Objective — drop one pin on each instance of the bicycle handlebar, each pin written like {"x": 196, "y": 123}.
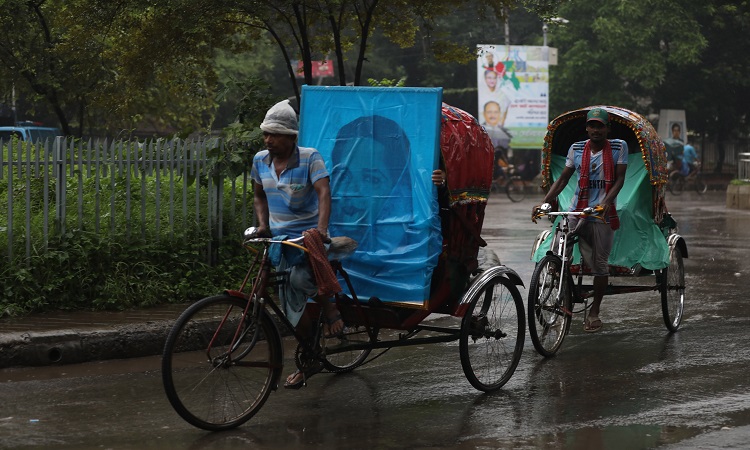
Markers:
{"x": 545, "y": 209}
{"x": 251, "y": 237}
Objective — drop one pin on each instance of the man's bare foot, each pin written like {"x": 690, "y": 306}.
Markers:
{"x": 334, "y": 325}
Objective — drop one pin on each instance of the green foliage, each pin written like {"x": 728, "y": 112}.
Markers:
{"x": 82, "y": 270}
{"x": 242, "y": 138}
{"x": 738, "y": 182}
{"x": 385, "y": 82}
{"x": 108, "y": 66}
{"x": 619, "y": 53}
{"x": 113, "y": 254}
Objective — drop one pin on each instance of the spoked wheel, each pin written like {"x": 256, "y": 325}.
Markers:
{"x": 492, "y": 334}
{"x": 549, "y": 318}
{"x": 676, "y": 183}
{"x": 673, "y": 290}
{"x": 700, "y": 186}
{"x": 515, "y": 189}
{"x": 209, "y": 384}
{"x": 341, "y": 356}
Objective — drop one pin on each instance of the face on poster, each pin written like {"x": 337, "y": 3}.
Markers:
{"x": 513, "y": 89}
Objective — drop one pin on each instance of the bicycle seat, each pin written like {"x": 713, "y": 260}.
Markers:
{"x": 341, "y": 247}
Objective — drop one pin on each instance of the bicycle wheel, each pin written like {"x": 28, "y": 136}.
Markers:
{"x": 208, "y": 385}
{"x": 549, "y": 318}
{"x": 700, "y": 186}
{"x": 673, "y": 290}
{"x": 346, "y": 359}
{"x": 515, "y": 189}
{"x": 492, "y": 334}
{"x": 676, "y": 183}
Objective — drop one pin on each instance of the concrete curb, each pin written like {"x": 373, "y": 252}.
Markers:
{"x": 77, "y": 346}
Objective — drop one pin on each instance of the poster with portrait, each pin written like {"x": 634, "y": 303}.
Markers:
{"x": 380, "y": 146}
{"x": 513, "y": 89}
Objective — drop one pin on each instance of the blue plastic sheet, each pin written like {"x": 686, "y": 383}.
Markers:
{"x": 380, "y": 146}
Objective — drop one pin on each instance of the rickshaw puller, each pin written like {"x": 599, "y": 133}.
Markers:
{"x": 600, "y": 164}
{"x": 292, "y": 194}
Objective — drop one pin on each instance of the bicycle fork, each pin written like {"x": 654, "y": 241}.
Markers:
{"x": 563, "y": 245}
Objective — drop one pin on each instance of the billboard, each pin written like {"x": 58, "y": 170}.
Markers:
{"x": 513, "y": 90}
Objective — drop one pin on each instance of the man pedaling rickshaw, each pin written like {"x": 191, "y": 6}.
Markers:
{"x": 601, "y": 164}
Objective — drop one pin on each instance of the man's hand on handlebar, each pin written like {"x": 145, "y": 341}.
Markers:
{"x": 260, "y": 233}
{"x": 598, "y": 211}
{"x": 540, "y": 210}
{"x": 324, "y": 236}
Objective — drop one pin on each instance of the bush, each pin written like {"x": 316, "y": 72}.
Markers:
{"x": 122, "y": 256}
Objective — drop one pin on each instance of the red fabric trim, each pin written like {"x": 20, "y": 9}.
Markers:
{"x": 326, "y": 280}
{"x": 609, "y": 178}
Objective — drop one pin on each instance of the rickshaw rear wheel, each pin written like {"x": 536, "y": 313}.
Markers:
{"x": 673, "y": 290}
{"x": 492, "y": 334}
{"x": 549, "y": 319}
{"x": 347, "y": 360}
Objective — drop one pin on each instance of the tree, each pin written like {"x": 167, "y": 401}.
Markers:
{"x": 650, "y": 55}
{"x": 615, "y": 52}
{"x": 315, "y": 29}
{"x": 105, "y": 64}
{"x": 715, "y": 90}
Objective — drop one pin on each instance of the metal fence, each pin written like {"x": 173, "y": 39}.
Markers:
{"x": 139, "y": 190}
{"x": 743, "y": 166}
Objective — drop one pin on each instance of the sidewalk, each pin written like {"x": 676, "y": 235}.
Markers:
{"x": 75, "y": 337}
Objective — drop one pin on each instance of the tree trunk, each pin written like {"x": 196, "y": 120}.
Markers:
{"x": 365, "y": 28}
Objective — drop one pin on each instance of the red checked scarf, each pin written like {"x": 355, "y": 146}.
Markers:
{"x": 609, "y": 180}
{"x": 324, "y": 276}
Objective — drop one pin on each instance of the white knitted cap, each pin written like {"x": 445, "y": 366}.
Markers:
{"x": 280, "y": 119}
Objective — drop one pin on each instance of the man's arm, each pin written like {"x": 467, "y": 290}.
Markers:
{"x": 323, "y": 189}
{"x": 559, "y": 184}
{"x": 260, "y": 202}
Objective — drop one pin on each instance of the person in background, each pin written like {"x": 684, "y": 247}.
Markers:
{"x": 690, "y": 161}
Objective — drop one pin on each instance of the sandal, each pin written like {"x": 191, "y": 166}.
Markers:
{"x": 592, "y": 324}
{"x": 301, "y": 377}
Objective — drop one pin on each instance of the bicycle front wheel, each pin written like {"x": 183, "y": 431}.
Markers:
{"x": 492, "y": 334}
{"x": 549, "y": 317}
{"x": 210, "y": 383}
{"x": 515, "y": 189}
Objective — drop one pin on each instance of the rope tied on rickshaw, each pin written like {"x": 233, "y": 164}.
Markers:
{"x": 325, "y": 279}
{"x": 609, "y": 178}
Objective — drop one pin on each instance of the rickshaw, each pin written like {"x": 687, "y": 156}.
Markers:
{"x": 646, "y": 246}
{"x": 224, "y": 355}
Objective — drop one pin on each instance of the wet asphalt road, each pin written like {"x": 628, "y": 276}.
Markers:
{"x": 634, "y": 385}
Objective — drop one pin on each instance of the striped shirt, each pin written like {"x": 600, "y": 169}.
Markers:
{"x": 292, "y": 200}
{"x": 596, "y": 174}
